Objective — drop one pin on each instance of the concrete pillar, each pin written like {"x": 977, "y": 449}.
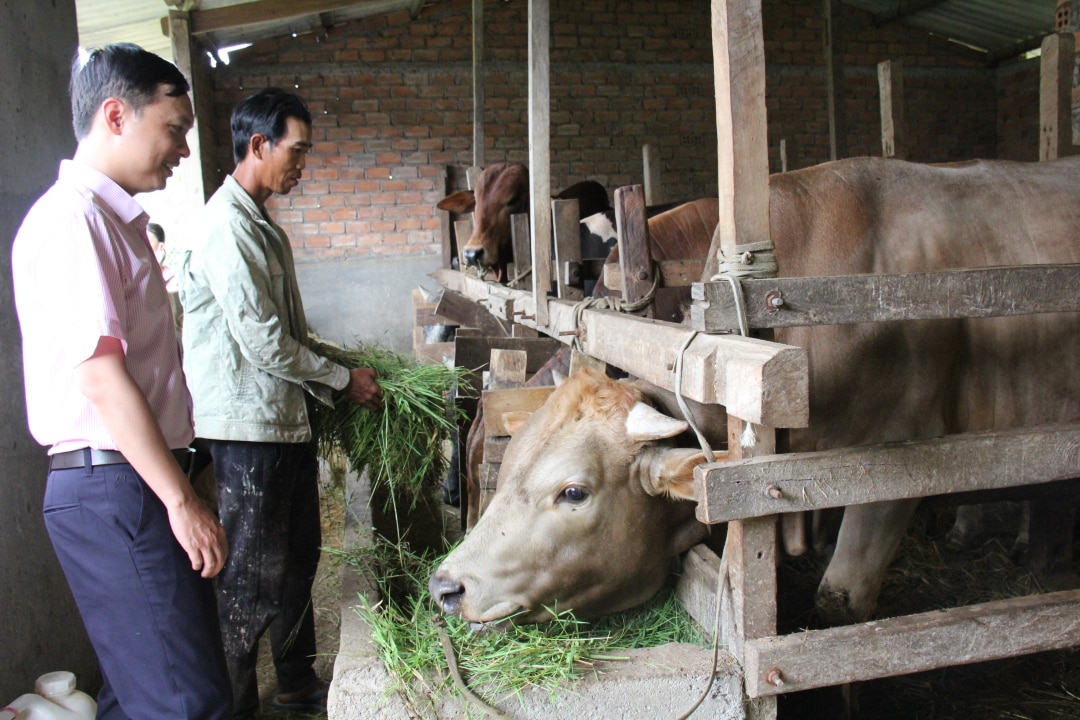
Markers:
{"x": 42, "y": 630}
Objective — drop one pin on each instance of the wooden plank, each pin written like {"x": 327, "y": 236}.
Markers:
{"x": 507, "y": 369}
{"x": 497, "y": 402}
{"x": 446, "y": 238}
{"x": 540, "y": 154}
{"x": 633, "y": 240}
{"x": 888, "y": 471}
{"x": 696, "y": 588}
{"x": 913, "y": 643}
{"x": 475, "y": 352}
{"x": 1055, "y": 96}
{"x": 962, "y": 293}
{"x": 567, "y": 228}
{"x": 891, "y": 101}
{"x": 673, "y": 273}
{"x": 459, "y": 310}
{"x": 495, "y": 448}
{"x": 250, "y": 13}
{"x": 650, "y": 161}
{"x": 489, "y": 482}
{"x": 761, "y": 381}
{"x": 462, "y": 231}
{"x": 742, "y": 133}
{"x": 579, "y": 360}
{"x": 520, "y": 242}
{"x": 834, "y": 81}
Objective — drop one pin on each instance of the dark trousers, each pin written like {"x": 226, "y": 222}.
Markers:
{"x": 151, "y": 619}
{"x": 268, "y": 501}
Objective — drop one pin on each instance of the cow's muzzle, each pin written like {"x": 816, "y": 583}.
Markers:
{"x": 446, "y": 593}
{"x": 474, "y": 257}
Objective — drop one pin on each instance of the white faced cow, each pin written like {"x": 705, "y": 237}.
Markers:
{"x": 600, "y": 548}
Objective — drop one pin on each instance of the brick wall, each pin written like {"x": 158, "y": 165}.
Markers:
{"x": 392, "y": 102}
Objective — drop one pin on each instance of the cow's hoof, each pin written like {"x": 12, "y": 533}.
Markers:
{"x": 834, "y": 608}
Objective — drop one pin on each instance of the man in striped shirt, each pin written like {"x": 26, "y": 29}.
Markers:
{"x": 105, "y": 391}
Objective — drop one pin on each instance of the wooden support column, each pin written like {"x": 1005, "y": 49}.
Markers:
{"x": 650, "y": 161}
{"x": 200, "y": 181}
{"x": 891, "y": 99}
{"x": 1055, "y": 96}
{"x": 478, "y": 81}
{"x": 633, "y": 240}
{"x": 540, "y": 153}
{"x": 566, "y": 219}
{"x": 741, "y": 132}
{"x": 834, "y": 83}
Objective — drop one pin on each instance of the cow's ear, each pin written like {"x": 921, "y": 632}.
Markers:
{"x": 558, "y": 378}
{"x": 670, "y": 471}
{"x": 460, "y": 202}
{"x": 645, "y": 423}
{"x": 514, "y": 419}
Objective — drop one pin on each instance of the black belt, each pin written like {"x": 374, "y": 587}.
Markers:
{"x": 92, "y": 457}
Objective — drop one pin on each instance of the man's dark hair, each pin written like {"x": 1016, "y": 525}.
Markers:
{"x": 124, "y": 71}
{"x": 157, "y": 231}
{"x": 265, "y": 113}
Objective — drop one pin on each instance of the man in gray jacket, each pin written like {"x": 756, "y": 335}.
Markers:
{"x": 250, "y": 370}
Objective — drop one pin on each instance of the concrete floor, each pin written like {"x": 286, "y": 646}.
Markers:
{"x": 365, "y": 300}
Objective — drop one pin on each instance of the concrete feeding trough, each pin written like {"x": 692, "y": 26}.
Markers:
{"x": 660, "y": 682}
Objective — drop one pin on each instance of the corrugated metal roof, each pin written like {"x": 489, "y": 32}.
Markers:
{"x": 1001, "y": 28}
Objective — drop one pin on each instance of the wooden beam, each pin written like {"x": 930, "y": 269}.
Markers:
{"x": 650, "y": 162}
{"x": 760, "y": 381}
{"x": 251, "y": 13}
{"x": 845, "y": 299}
{"x": 540, "y": 154}
{"x": 891, "y": 101}
{"x": 633, "y": 242}
{"x": 834, "y": 82}
{"x": 887, "y": 471}
{"x": 462, "y": 311}
{"x": 478, "y": 81}
{"x": 673, "y": 273}
{"x": 1055, "y": 96}
{"x": 566, "y": 223}
{"x": 741, "y": 128}
{"x": 912, "y": 643}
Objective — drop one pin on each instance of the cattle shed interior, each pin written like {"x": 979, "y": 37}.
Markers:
{"x": 391, "y": 87}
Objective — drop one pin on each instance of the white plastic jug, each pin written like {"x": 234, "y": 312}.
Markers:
{"x": 55, "y": 699}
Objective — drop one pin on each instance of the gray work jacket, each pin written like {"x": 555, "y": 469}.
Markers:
{"x": 246, "y": 354}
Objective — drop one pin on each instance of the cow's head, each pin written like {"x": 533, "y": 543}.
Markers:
{"x": 501, "y": 190}
{"x": 590, "y": 510}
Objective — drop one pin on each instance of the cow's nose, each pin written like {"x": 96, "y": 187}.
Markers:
{"x": 474, "y": 256}
{"x": 447, "y": 593}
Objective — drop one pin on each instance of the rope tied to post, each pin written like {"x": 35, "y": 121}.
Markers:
{"x": 610, "y": 302}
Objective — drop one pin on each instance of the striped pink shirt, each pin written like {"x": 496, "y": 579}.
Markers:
{"x": 83, "y": 269}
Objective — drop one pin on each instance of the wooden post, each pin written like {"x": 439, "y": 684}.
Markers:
{"x": 540, "y": 153}
{"x": 783, "y": 155}
{"x": 1055, "y": 96}
{"x": 478, "y": 81}
{"x": 654, "y": 192}
{"x": 834, "y": 83}
{"x": 891, "y": 99}
{"x": 742, "y": 137}
{"x": 185, "y": 52}
{"x": 633, "y": 240}
{"x": 567, "y": 229}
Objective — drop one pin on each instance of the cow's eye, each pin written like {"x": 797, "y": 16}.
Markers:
{"x": 574, "y": 494}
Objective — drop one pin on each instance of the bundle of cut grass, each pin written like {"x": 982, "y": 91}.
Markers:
{"x": 495, "y": 664}
{"x": 402, "y": 444}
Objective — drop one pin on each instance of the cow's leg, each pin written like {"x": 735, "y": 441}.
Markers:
{"x": 1050, "y": 520}
{"x": 967, "y": 528}
{"x": 793, "y": 532}
{"x": 869, "y": 537}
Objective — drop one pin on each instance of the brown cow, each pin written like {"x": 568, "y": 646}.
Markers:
{"x": 868, "y": 383}
{"x": 502, "y": 190}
